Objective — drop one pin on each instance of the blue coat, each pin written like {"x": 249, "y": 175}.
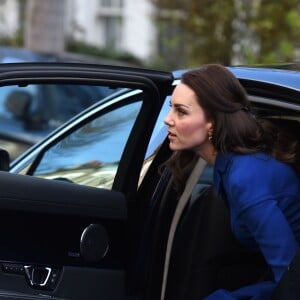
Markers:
{"x": 263, "y": 197}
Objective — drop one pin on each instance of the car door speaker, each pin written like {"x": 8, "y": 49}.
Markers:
{"x": 94, "y": 243}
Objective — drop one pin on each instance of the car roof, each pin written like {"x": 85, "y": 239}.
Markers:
{"x": 12, "y": 54}
{"x": 285, "y": 76}
{"x": 20, "y": 55}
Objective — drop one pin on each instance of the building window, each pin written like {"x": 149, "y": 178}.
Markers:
{"x": 171, "y": 39}
{"x": 112, "y": 31}
{"x": 111, "y": 3}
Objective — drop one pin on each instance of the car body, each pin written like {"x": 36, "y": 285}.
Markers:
{"x": 85, "y": 213}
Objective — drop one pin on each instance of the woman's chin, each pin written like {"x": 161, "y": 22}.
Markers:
{"x": 174, "y": 147}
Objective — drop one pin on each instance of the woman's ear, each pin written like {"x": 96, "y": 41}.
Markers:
{"x": 210, "y": 127}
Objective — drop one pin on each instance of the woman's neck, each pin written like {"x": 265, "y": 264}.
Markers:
{"x": 208, "y": 153}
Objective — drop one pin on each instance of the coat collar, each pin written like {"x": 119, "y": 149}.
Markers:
{"x": 221, "y": 164}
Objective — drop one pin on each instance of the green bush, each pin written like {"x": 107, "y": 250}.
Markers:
{"x": 83, "y": 48}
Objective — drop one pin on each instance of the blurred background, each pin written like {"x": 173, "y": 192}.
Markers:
{"x": 162, "y": 34}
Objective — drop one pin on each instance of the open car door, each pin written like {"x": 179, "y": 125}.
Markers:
{"x": 66, "y": 215}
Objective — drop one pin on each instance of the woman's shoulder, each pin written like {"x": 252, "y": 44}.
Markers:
{"x": 263, "y": 167}
{"x": 258, "y": 160}
{"x": 245, "y": 166}
{"x": 227, "y": 160}
{"x": 257, "y": 177}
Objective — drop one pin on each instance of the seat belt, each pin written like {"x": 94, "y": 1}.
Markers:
{"x": 183, "y": 200}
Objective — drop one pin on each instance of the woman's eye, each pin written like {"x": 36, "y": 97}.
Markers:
{"x": 178, "y": 109}
{"x": 181, "y": 111}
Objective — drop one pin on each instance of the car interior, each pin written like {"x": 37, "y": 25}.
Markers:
{"x": 288, "y": 287}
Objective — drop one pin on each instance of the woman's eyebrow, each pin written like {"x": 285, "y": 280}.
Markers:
{"x": 180, "y": 105}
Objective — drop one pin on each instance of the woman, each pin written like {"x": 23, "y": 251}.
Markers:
{"x": 255, "y": 166}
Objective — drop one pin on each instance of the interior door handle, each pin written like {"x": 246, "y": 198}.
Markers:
{"x": 41, "y": 276}
{"x": 38, "y": 276}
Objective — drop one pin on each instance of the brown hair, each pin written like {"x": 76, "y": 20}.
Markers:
{"x": 235, "y": 128}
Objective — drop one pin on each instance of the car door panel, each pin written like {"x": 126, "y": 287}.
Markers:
{"x": 59, "y": 197}
{"x": 74, "y": 284}
{"x": 42, "y": 230}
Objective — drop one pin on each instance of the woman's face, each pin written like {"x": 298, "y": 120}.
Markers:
{"x": 188, "y": 126}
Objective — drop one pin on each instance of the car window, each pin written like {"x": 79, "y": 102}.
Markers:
{"x": 29, "y": 113}
{"x": 6, "y": 92}
{"x": 90, "y": 155}
{"x": 48, "y": 104}
{"x": 160, "y": 130}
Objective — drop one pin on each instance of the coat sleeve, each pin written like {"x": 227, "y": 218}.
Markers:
{"x": 259, "y": 193}
{"x": 271, "y": 231}
{"x": 255, "y": 199}
{"x": 277, "y": 243}
{"x": 259, "y": 291}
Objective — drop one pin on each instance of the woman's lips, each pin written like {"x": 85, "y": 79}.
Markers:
{"x": 171, "y": 135}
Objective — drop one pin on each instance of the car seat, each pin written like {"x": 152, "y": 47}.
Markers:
{"x": 288, "y": 287}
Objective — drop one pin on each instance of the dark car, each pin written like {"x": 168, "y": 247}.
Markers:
{"x": 30, "y": 112}
{"x": 85, "y": 214}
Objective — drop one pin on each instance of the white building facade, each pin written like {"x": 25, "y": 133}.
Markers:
{"x": 124, "y": 25}
{"x": 121, "y": 25}
{"x": 9, "y": 18}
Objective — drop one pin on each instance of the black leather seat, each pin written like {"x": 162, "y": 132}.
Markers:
{"x": 288, "y": 287}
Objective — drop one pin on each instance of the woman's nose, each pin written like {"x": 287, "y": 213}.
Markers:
{"x": 168, "y": 120}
